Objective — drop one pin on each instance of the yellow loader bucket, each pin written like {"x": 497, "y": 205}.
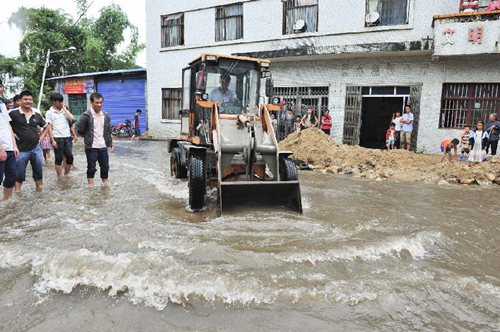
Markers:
{"x": 268, "y": 193}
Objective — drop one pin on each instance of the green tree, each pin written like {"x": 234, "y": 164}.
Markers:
{"x": 11, "y": 70}
{"x": 97, "y": 42}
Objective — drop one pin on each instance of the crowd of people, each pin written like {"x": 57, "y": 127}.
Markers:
{"x": 295, "y": 123}
{"x": 27, "y": 137}
{"x": 474, "y": 144}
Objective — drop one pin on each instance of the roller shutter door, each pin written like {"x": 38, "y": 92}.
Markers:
{"x": 122, "y": 98}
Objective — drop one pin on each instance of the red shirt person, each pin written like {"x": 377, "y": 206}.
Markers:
{"x": 446, "y": 147}
{"x": 326, "y": 122}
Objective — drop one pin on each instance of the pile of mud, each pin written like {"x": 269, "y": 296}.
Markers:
{"x": 314, "y": 147}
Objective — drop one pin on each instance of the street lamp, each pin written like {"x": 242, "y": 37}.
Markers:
{"x": 69, "y": 49}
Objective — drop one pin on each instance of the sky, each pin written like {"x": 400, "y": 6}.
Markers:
{"x": 11, "y": 36}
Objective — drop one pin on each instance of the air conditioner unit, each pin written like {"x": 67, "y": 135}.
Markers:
{"x": 372, "y": 19}
{"x": 300, "y": 26}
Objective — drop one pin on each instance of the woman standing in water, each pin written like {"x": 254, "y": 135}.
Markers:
{"x": 478, "y": 141}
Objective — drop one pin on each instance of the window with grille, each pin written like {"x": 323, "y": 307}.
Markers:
{"x": 295, "y": 10}
{"x": 391, "y": 12}
{"x": 172, "y": 30}
{"x": 229, "y": 22}
{"x": 465, "y": 103}
{"x": 172, "y": 103}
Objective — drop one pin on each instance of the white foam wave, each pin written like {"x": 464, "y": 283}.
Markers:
{"x": 472, "y": 284}
{"x": 419, "y": 247}
{"x": 163, "y": 183}
{"x": 154, "y": 279}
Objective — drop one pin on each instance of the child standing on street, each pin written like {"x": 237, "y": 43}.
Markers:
{"x": 298, "y": 124}
{"x": 390, "y": 137}
{"x": 46, "y": 145}
{"x": 464, "y": 144}
{"x": 478, "y": 141}
{"x": 396, "y": 119}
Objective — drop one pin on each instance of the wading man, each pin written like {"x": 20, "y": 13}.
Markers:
{"x": 94, "y": 126}
{"x": 59, "y": 120}
{"x": 25, "y": 122}
{"x": 8, "y": 152}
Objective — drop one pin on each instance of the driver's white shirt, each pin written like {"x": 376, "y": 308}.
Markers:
{"x": 217, "y": 96}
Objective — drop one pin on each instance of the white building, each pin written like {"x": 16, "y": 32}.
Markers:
{"x": 417, "y": 52}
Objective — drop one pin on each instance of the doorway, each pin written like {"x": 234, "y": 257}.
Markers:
{"x": 361, "y": 108}
{"x": 376, "y": 116}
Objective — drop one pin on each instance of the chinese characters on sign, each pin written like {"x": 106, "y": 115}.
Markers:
{"x": 476, "y": 35}
{"x": 73, "y": 86}
{"x": 448, "y": 35}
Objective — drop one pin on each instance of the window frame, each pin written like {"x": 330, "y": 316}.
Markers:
{"x": 225, "y": 18}
{"x": 164, "y": 28}
{"x": 285, "y": 9}
{"x": 470, "y": 99}
{"x": 164, "y": 100}
{"x": 407, "y": 21}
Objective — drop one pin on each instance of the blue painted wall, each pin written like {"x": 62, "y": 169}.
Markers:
{"x": 122, "y": 97}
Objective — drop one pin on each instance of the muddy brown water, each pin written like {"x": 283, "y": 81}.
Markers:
{"x": 364, "y": 256}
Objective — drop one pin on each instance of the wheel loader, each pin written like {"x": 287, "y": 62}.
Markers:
{"x": 227, "y": 139}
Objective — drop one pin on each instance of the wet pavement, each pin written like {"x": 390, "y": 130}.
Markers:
{"x": 364, "y": 256}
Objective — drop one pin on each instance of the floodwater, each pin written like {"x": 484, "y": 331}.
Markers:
{"x": 364, "y": 256}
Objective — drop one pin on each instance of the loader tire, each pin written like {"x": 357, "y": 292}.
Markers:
{"x": 197, "y": 183}
{"x": 288, "y": 170}
{"x": 177, "y": 170}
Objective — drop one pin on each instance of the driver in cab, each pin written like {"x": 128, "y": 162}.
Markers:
{"x": 222, "y": 94}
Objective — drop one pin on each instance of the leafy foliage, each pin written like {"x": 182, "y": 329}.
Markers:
{"x": 97, "y": 42}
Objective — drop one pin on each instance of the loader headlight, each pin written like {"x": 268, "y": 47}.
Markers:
{"x": 211, "y": 58}
{"x": 276, "y": 100}
{"x": 204, "y": 96}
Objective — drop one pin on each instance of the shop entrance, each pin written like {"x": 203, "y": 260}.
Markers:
{"x": 360, "y": 108}
{"x": 376, "y": 118}
{"x": 378, "y": 106}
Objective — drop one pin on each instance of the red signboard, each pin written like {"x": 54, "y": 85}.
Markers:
{"x": 74, "y": 86}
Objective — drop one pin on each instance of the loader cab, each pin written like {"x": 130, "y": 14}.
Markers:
{"x": 231, "y": 82}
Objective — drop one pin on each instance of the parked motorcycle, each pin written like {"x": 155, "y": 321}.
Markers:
{"x": 123, "y": 129}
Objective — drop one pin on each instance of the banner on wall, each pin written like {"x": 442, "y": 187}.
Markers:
{"x": 88, "y": 85}
{"x": 74, "y": 86}
{"x": 59, "y": 86}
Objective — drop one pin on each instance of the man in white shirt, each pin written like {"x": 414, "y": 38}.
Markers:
{"x": 407, "y": 122}
{"x": 8, "y": 152}
{"x": 223, "y": 94}
{"x": 59, "y": 119}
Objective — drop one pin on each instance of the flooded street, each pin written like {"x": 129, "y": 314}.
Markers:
{"x": 364, "y": 256}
